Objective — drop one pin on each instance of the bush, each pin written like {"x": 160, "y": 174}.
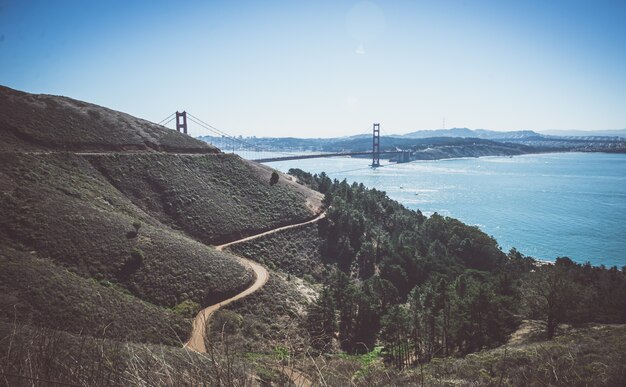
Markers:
{"x": 274, "y": 178}
{"x": 227, "y": 321}
{"x": 187, "y": 309}
{"x": 131, "y": 265}
{"x": 136, "y": 257}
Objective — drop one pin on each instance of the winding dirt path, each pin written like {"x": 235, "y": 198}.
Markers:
{"x": 198, "y": 332}
{"x": 299, "y": 379}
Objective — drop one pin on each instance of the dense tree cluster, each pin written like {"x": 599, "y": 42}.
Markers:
{"x": 432, "y": 286}
{"x": 568, "y": 292}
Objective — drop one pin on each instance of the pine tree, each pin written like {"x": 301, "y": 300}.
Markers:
{"x": 322, "y": 321}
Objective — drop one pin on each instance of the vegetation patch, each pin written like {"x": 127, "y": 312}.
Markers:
{"x": 36, "y": 291}
{"x": 295, "y": 251}
{"x": 61, "y": 207}
{"x": 35, "y": 356}
{"x": 214, "y": 198}
{"x": 264, "y": 320}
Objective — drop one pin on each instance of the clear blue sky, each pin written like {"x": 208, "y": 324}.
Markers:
{"x": 326, "y": 68}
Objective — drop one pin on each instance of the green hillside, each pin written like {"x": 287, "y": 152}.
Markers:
{"x": 295, "y": 251}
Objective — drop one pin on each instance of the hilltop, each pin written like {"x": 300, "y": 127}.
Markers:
{"x": 38, "y": 122}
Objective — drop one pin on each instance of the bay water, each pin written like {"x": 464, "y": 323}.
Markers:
{"x": 545, "y": 205}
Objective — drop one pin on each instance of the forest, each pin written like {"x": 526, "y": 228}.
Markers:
{"x": 420, "y": 287}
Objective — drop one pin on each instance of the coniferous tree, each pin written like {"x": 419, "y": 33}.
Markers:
{"x": 322, "y": 321}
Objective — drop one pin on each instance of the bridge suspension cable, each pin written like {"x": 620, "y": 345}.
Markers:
{"x": 245, "y": 145}
{"x": 227, "y": 142}
{"x": 167, "y": 120}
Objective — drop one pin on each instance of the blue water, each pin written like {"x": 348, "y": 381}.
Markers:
{"x": 546, "y": 206}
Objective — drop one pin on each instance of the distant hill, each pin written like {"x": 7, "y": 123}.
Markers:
{"x": 478, "y": 133}
{"x": 587, "y": 133}
{"x": 520, "y": 135}
{"x": 600, "y": 141}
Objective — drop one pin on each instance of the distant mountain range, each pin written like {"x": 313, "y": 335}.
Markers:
{"x": 514, "y": 135}
{"x": 587, "y": 133}
{"x": 490, "y": 142}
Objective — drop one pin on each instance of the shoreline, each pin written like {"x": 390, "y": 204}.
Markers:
{"x": 468, "y": 209}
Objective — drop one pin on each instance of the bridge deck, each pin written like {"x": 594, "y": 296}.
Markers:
{"x": 320, "y": 155}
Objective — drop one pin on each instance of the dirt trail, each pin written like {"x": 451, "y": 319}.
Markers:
{"x": 320, "y": 216}
{"x": 196, "y": 341}
{"x": 300, "y": 379}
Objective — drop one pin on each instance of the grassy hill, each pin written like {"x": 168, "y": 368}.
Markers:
{"x": 295, "y": 251}
{"x": 31, "y": 356}
{"x": 592, "y": 355}
{"x": 37, "y": 292}
{"x": 63, "y": 208}
{"x": 108, "y": 220}
{"x": 106, "y": 237}
{"x": 215, "y": 198}
{"x": 46, "y": 122}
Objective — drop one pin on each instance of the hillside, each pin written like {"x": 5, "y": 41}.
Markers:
{"x": 108, "y": 220}
{"x": 109, "y": 249}
{"x": 35, "y": 291}
{"x": 477, "y": 133}
{"x": 592, "y": 355}
{"x": 60, "y": 206}
{"x": 37, "y": 122}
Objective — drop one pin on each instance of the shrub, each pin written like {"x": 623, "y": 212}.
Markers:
{"x": 227, "y": 321}
{"x": 274, "y": 178}
{"x": 187, "y": 309}
{"x": 136, "y": 257}
{"x": 133, "y": 234}
{"x": 131, "y": 265}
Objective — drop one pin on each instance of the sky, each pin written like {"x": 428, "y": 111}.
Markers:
{"x": 328, "y": 68}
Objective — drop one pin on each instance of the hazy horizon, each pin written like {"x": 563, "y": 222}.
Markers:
{"x": 554, "y": 132}
{"x": 328, "y": 68}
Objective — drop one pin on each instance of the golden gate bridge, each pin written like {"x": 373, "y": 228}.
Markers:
{"x": 263, "y": 154}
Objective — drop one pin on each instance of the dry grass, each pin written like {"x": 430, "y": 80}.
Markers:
{"x": 41, "y": 357}
{"x": 45, "y": 122}
{"x": 295, "y": 251}
{"x": 62, "y": 208}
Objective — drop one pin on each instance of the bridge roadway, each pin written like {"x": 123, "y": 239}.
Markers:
{"x": 320, "y": 155}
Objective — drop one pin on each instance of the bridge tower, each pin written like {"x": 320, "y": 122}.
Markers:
{"x": 376, "y": 146}
{"x": 181, "y": 121}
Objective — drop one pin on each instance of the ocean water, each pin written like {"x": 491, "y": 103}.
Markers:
{"x": 546, "y": 206}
